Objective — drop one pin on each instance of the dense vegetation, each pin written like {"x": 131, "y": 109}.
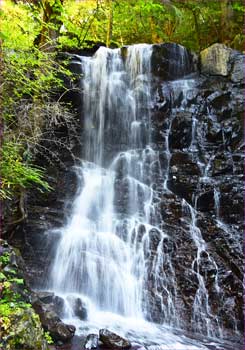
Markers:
{"x": 32, "y": 32}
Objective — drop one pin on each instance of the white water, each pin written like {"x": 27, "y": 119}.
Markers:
{"x": 104, "y": 249}
{"x": 203, "y": 318}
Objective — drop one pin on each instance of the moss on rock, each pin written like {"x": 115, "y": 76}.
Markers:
{"x": 24, "y": 331}
{"x": 20, "y": 326}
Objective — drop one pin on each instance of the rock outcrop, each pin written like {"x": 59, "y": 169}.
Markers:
{"x": 114, "y": 341}
{"x": 91, "y": 342}
{"x": 20, "y": 326}
{"x": 220, "y": 60}
{"x": 51, "y": 322}
{"x": 205, "y": 168}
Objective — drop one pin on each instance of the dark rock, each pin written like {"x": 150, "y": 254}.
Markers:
{"x": 45, "y": 297}
{"x": 205, "y": 201}
{"x": 52, "y": 323}
{"x": 184, "y": 163}
{"x": 184, "y": 175}
{"x": 171, "y": 61}
{"x": 91, "y": 342}
{"x": 112, "y": 340}
{"x": 237, "y": 71}
{"x": 52, "y": 301}
{"x": 78, "y": 307}
{"x": 181, "y": 131}
{"x": 58, "y": 303}
{"x": 219, "y": 99}
{"x": 222, "y": 165}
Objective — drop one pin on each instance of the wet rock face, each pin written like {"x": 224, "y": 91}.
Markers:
{"x": 78, "y": 306}
{"x": 91, "y": 342}
{"x": 206, "y": 169}
{"x": 58, "y": 330}
{"x": 172, "y": 61}
{"x": 113, "y": 341}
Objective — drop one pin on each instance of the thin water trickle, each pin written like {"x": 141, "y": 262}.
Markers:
{"x": 203, "y": 318}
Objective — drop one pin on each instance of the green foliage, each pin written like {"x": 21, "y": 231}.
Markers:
{"x": 4, "y": 259}
{"x": 10, "y": 301}
{"x": 2, "y": 277}
{"x": 30, "y": 76}
{"x": 48, "y": 338}
{"x": 18, "y": 281}
{"x": 20, "y": 327}
{"x": 17, "y": 173}
{"x": 12, "y": 309}
{"x": 193, "y": 23}
{"x": 8, "y": 308}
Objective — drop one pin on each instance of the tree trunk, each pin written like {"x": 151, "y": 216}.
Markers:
{"x": 225, "y": 20}
{"x": 110, "y": 23}
{"x": 154, "y": 36}
{"x": 1, "y": 129}
{"x": 49, "y": 33}
{"x": 198, "y": 36}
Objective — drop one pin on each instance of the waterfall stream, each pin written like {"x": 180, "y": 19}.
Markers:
{"x": 99, "y": 253}
{"x": 104, "y": 253}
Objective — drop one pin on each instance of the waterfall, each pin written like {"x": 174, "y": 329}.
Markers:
{"x": 116, "y": 252}
{"x": 103, "y": 250}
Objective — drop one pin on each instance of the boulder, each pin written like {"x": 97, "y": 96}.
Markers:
{"x": 237, "y": 72}
{"x": 171, "y": 61}
{"x": 113, "y": 340}
{"x": 26, "y": 332}
{"x": 181, "y": 131}
{"x": 78, "y": 307}
{"x": 51, "y": 322}
{"x": 54, "y": 301}
{"x": 45, "y": 297}
{"x": 91, "y": 342}
{"x": 205, "y": 201}
{"x": 215, "y": 60}
{"x": 219, "y": 59}
{"x": 58, "y": 303}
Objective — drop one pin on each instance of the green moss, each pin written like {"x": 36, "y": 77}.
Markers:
{"x": 4, "y": 259}
{"x": 48, "y": 338}
{"x": 20, "y": 326}
{"x": 2, "y": 277}
{"x": 24, "y": 331}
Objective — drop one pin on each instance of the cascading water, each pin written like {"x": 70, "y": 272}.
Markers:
{"x": 103, "y": 251}
{"x": 203, "y": 319}
{"x": 112, "y": 252}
